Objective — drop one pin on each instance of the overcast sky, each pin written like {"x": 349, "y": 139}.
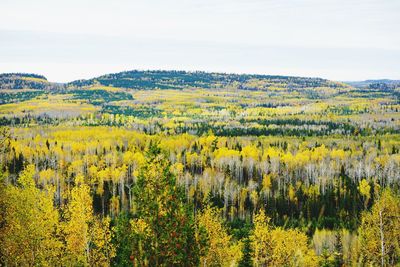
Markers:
{"x": 75, "y": 39}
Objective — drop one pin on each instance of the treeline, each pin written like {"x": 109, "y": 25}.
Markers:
{"x": 182, "y": 79}
{"x": 93, "y": 96}
{"x": 137, "y": 119}
{"x": 99, "y": 97}
{"x": 18, "y": 96}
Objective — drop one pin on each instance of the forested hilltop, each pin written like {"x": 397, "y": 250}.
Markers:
{"x": 183, "y": 79}
{"x": 174, "y": 168}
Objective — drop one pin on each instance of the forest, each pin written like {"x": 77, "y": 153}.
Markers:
{"x": 175, "y": 168}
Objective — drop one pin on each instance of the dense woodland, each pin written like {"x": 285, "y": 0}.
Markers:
{"x": 157, "y": 168}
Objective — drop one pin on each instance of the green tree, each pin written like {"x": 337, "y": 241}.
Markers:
{"x": 122, "y": 240}
{"x": 247, "y": 260}
{"x": 163, "y": 225}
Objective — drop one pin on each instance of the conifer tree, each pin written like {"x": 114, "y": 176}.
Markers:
{"x": 163, "y": 225}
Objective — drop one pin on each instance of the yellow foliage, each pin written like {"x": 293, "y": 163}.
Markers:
{"x": 379, "y": 231}
{"x": 292, "y": 193}
{"x": 28, "y": 236}
{"x": 222, "y": 251}
{"x": 224, "y": 152}
{"x": 279, "y": 247}
{"x": 250, "y": 152}
{"x": 364, "y": 188}
{"x": 266, "y": 182}
{"x": 78, "y": 215}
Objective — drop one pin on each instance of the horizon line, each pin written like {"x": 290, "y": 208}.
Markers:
{"x": 200, "y": 71}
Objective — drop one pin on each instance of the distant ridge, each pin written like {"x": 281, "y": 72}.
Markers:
{"x": 23, "y": 81}
{"x": 374, "y": 84}
{"x": 176, "y": 79}
{"x": 28, "y": 75}
{"x": 373, "y": 81}
{"x": 161, "y": 79}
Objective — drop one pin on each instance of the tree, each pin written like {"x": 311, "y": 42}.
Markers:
{"x": 380, "y": 233}
{"x": 221, "y": 250}
{"x": 163, "y": 225}
{"x": 246, "y": 260}
{"x": 122, "y": 240}
{"x": 87, "y": 238}
{"x": 279, "y": 247}
{"x": 28, "y": 235}
{"x": 4, "y": 137}
{"x": 365, "y": 191}
{"x": 101, "y": 248}
{"x": 261, "y": 240}
{"x": 77, "y": 216}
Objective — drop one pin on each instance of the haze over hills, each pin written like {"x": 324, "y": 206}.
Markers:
{"x": 375, "y": 84}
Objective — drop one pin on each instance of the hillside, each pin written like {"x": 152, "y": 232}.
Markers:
{"x": 196, "y": 102}
{"x": 148, "y": 80}
{"x": 383, "y": 84}
{"x": 23, "y": 81}
{"x": 181, "y": 79}
{"x": 227, "y": 158}
{"x": 107, "y": 90}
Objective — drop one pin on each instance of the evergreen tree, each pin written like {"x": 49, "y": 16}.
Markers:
{"x": 163, "y": 225}
{"x": 247, "y": 260}
{"x": 123, "y": 241}
{"x": 338, "y": 254}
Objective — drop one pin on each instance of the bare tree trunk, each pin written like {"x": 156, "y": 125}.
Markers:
{"x": 102, "y": 205}
{"x": 382, "y": 239}
{"x": 130, "y": 196}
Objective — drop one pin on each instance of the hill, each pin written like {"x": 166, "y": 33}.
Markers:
{"x": 383, "y": 84}
{"x": 158, "y": 79}
{"x": 318, "y": 158}
{"x": 23, "y": 81}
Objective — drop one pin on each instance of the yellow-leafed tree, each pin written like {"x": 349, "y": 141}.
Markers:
{"x": 28, "y": 236}
{"x": 279, "y": 247}
{"x": 87, "y": 238}
{"x": 380, "y": 231}
{"x": 221, "y": 250}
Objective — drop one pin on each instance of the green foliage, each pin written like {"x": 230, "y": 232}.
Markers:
{"x": 123, "y": 240}
{"x": 312, "y": 154}
{"x": 14, "y": 97}
{"x": 247, "y": 260}
{"x": 181, "y": 79}
{"x": 22, "y": 81}
{"x": 99, "y": 97}
{"x": 163, "y": 226}
{"x": 143, "y": 112}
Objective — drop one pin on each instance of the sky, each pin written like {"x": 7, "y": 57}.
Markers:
{"x": 343, "y": 40}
